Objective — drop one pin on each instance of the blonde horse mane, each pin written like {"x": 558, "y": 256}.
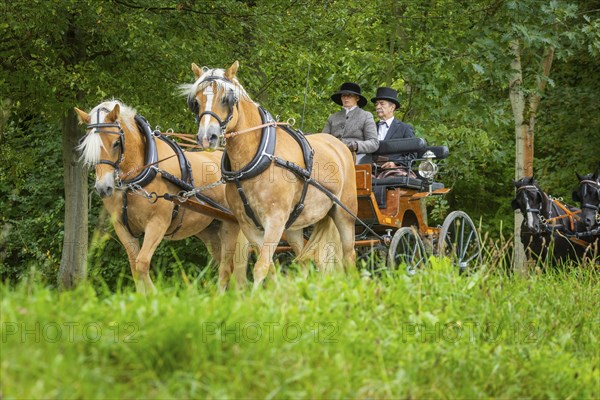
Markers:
{"x": 91, "y": 145}
{"x": 190, "y": 89}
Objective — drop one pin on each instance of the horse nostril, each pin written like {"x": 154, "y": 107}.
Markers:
{"x": 588, "y": 222}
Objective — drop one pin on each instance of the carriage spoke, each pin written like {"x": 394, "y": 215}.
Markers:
{"x": 407, "y": 248}
{"x": 459, "y": 240}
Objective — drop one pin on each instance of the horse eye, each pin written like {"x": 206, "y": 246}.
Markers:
{"x": 115, "y": 144}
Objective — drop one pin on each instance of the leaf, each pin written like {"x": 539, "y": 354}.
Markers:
{"x": 478, "y": 68}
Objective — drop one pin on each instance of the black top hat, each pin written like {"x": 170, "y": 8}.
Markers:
{"x": 349, "y": 88}
{"x": 386, "y": 93}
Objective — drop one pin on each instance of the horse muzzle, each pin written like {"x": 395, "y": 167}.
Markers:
{"x": 589, "y": 219}
{"x": 105, "y": 187}
{"x": 209, "y": 137}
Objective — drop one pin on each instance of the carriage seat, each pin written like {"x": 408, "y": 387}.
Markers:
{"x": 399, "y": 146}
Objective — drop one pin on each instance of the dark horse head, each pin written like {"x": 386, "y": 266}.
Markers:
{"x": 532, "y": 202}
{"x": 588, "y": 195}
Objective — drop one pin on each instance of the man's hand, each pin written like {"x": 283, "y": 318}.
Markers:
{"x": 353, "y": 146}
{"x": 388, "y": 165}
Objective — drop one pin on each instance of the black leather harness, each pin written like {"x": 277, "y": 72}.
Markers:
{"x": 262, "y": 160}
{"x": 147, "y": 175}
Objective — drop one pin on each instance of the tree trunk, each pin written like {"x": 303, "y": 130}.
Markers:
{"x": 517, "y": 101}
{"x": 75, "y": 243}
{"x": 524, "y": 132}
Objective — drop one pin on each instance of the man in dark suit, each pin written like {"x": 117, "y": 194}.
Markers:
{"x": 388, "y": 127}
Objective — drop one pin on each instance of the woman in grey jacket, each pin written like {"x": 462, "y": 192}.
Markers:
{"x": 352, "y": 125}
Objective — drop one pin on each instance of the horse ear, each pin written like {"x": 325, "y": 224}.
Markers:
{"x": 232, "y": 71}
{"x": 84, "y": 117}
{"x": 197, "y": 70}
{"x": 114, "y": 114}
{"x": 575, "y": 196}
{"x": 579, "y": 177}
{"x": 514, "y": 204}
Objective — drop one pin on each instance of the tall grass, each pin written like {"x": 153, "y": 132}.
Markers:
{"x": 435, "y": 335}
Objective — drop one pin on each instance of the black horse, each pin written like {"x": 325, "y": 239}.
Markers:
{"x": 550, "y": 227}
{"x": 588, "y": 195}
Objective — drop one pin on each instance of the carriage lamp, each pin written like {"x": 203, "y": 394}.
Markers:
{"x": 427, "y": 168}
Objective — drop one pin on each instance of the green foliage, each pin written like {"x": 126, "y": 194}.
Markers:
{"x": 32, "y": 200}
{"x": 436, "y": 334}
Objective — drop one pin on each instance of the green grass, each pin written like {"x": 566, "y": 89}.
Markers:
{"x": 434, "y": 335}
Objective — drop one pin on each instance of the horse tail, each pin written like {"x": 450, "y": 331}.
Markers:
{"x": 324, "y": 247}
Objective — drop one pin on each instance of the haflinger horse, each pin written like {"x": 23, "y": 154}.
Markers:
{"x": 278, "y": 180}
{"x": 549, "y": 227}
{"x": 130, "y": 160}
{"x": 588, "y": 195}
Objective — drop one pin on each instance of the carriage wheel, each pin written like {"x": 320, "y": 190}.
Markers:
{"x": 373, "y": 257}
{"x": 407, "y": 248}
{"x": 460, "y": 241}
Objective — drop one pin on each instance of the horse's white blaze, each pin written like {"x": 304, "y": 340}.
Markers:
{"x": 208, "y": 92}
{"x": 529, "y": 213}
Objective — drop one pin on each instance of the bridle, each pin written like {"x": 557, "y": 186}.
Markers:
{"x": 100, "y": 127}
{"x": 232, "y": 101}
{"x": 528, "y": 209}
{"x": 595, "y": 207}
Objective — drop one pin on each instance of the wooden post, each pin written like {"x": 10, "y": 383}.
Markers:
{"x": 75, "y": 242}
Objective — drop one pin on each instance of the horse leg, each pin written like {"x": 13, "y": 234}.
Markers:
{"x": 344, "y": 223}
{"x": 211, "y": 242}
{"x": 154, "y": 233}
{"x": 132, "y": 248}
{"x": 295, "y": 239}
{"x": 240, "y": 260}
{"x": 226, "y": 245}
{"x": 229, "y": 234}
{"x": 211, "y": 239}
{"x": 266, "y": 245}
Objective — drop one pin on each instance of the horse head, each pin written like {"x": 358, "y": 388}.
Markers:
{"x": 214, "y": 99}
{"x": 530, "y": 199}
{"x": 103, "y": 146}
{"x": 588, "y": 195}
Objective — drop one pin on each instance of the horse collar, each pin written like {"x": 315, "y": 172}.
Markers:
{"x": 151, "y": 156}
{"x": 261, "y": 160}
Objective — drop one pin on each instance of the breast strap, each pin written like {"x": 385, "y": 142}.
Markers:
{"x": 265, "y": 154}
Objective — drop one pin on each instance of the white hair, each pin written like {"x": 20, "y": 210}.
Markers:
{"x": 223, "y": 85}
{"x": 91, "y": 145}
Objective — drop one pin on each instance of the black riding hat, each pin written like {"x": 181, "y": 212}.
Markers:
{"x": 386, "y": 93}
{"x": 349, "y": 88}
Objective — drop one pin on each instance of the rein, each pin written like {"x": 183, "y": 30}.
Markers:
{"x": 268, "y": 124}
{"x": 136, "y": 169}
